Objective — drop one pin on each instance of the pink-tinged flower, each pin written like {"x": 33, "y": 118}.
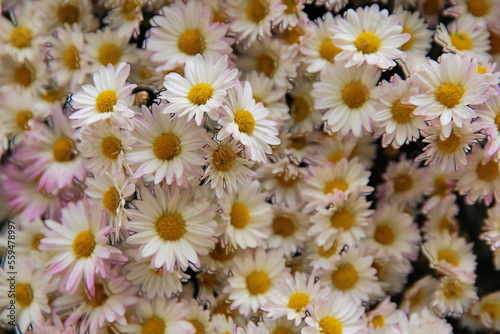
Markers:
{"x": 50, "y": 154}
{"x": 80, "y": 245}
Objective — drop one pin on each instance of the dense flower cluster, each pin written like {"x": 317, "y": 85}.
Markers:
{"x": 238, "y": 166}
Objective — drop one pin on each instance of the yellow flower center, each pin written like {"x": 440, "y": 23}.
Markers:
{"x": 199, "y": 329}
{"x": 20, "y": 37}
{"x": 191, "y": 42}
{"x": 258, "y": 283}
{"x": 298, "y": 142}
{"x": 342, "y": 219}
{"x": 355, "y": 94}
{"x": 328, "y": 50}
{"x": 283, "y": 330}
{"x": 111, "y": 147}
{"x": 417, "y": 298}
{"x": 166, "y": 146}
{"x": 402, "y": 113}
{"x": 35, "y": 242}
{"x": 450, "y": 256}
{"x": 106, "y": 101}
{"x": 403, "y": 183}
{"x": 221, "y": 254}
{"x": 492, "y": 309}
{"x": 239, "y": 215}
{"x": 291, "y": 6}
{"x": 432, "y": 7}
{"x": 336, "y": 156}
{"x": 497, "y": 121}
{"x": 170, "y": 226}
{"x": 345, "y": 277}
{"x": 223, "y": 159}
{"x": 22, "y": 119}
{"x": 24, "y": 75}
{"x": 111, "y": 200}
{"x": 449, "y": 94}
{"x": 99, "y": 296}
{"x": 409, "y": 44}
{"x": 488, "y": 172}
{"x": 481, "y": 69}
{"x": 200, "y": 93}
{"x": 283, "y": 226}
{"x": 330, "y": 325}
{"x": 367, "y": 42}
{"x": 153, "y": 325}
{"x": 24, "y": 294}
{"x": 292, "y": 36}
{"x": 378, "y": 321}
{"x": 265, "y": 64}
{"x": 441, "y": 186}
{"x": 453, "y": 289}
{"x": 327, "y": 253}
{"x": 84, "y": 244}
{"x": 71, "y": 57}
{"x": 300, "y": 109}
{"x": 379, "y": 267}
{"x": 285, "y": 180}
{"x": 450, "y": 144}
{"x": 384, "y": 235}
{"x": 53, "y": 94}
{"x": 461, "y": 41}
{"x": 68, "y": 13}
{"x": 478, "y": 8}
{"x": 298, "y": 301}
{"x": 245, "y": 121}
{"x": 129, "y": 9}
{"x": 339, "y": 184}
{"x": 256, "y": 10}
{"x": 109, "y": 54}
{"x": 446, "y": 225}
{"x": 64, "y": 150}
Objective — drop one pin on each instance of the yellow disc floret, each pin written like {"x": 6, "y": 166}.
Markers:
{"x": 84, "y": 244}
{"x": 258, "y": 283}
{"x": 170, "y": 226}
{"x": 367, "y": 42}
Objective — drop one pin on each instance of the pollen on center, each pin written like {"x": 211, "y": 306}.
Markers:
{"x": 223, "y": 159}
{"x": 200, "y": 93}
{"x": 402, "y": 113}
{"x": 257, "y": 10}
{"x": 191, "y": 42}
{"x": 403, "y": 183}
{"x": 22, "y": 119}
{"x": 330, "y": 325}
{"x": 461, "y": 41}
{"x": 240, "y": 216}
{"x": 300, "y": 109}
{"x": 258, "y": 283}
{"x": 111, "y": 200}
{"x": 342, "y": 219}
{"x": 298, "y": 301}
{"x": 450, "y": 144}
{"x": 106, "y": 101}
{"x": 111, "y": 147}
{"x": 109, "y": 54}
{"x": 166, "y": 146}
{"x": 367, "y": 42}
{"x": 64, "y": 150}
{"x": 20, "y": 37}
{"x": 245, "y": 121}
{"x": 266, "y": 64}
{"x": 489, "y": 171}
{"x": 171, "y": 226}
{"x": 84, "y": 244}
{"x": 449, "y": 255}
{"x": 71, "y": 57}
{"x": 345, "y": 277}
{"x": 355, "y": 94}
{"x": 68, "y": 13}
{"x": 328, "y": 50}
{"x": 283, "y": 226}
{"x": 449, "y": 94}
{"x": 24, "y": 294}
{"x": 153, "y": 325}
{"x": 384, "y": 235}
{"x": 339, "y": 184}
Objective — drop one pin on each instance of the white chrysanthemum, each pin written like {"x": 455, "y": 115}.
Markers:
{"x": 248, "y": 216}
{"x": 198, "y": 317}
{"x": 441, "y": 219}
{"x": 201, "y": 90}
{"x": 126, "y": 18}
{"x": 488, "y": 310}
{"x": 484, "y": 12}
{"x": 168, "y": 147}
{"x": 61, "y": 12}
{"x": 383, "y": 319}
{"x": 454, "y": 295}
{"x": 170, "y": 228}
{"x": 291, "y": 297}
{"x": 27, "y": 76}
{"x": 348, "y": 95}
{"x": 344, "y": 221}
{"x": 108, "y": 99}
{"x": 491, "y": 228}
{"x": 248, "y": 122}
{"x": 369, "y": 35}
{"x": 289, "y": 230}
{"x": 392, "y": 273}
{"x": 273, "y": 98}
{"x": 334, "y": 313}
{"x": 430, "y": 10}
{"x": 332, "y": 148}
{"x": 30, "y": 232}
{"x": 419, "y": 295}
{"x": 281, "y": 325}
{"x": 305, "y": 118}
{"x": 440, "y": 186}
{"x": 255, "y": 275}
{"x": 489, "y": 118}
{"x": 421, "y": 37}
{"x": 423, "y": 322}
{"x": 176, "y": 37}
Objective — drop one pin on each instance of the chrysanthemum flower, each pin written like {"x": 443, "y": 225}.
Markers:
{"x": 126, "y": 18}
{"x": 272, "y": 97}
{"x": 483, "y": 11}
{"x": 419, "y": 295}
{"x": 108, "y": 99}
{"x": 454, "y": 295}
{"x": 489, "y": 118}
{"x": 369, "y": 35}
{"x": 201, "y": 90}
{"x": 423, "y": 322}
{"x": 440, "y": 186}
{"x": 304, "y": 117}
{"x": 384, "y": 318}
{"x": 26, "y": 76}
{"x": 488, "y": 310}
{"x": 80, "y": 245}
{"x": 491, "y": 228}
{"x": 392, "y": 273}
{"x": 413, "y": 24}
{"x": 430, "y": 10}
{"x": 289, "y": 230}
{"x": 198, "y": 317}
{"x": 441, "y": 219}
{"x": 61, "y": 12}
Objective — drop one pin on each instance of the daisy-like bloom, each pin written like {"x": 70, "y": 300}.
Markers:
{"x": 270, "y": 57}
{"x": 175, "y": 37}
{"x": 105, "y": 145}
{"x": 393, "y": 233}
{"x": 491, "y": 228}
{"x": 273, "y": 98}
{"x": 332, "y": 148}
{"x": 288, "y": 230}
{"x": 423, "y": 322}
{"x": 201, "y": 90}
{"x": 392, "y": 273}
{"x": 22, "y": 35}
{"x": 168, "y": 147}
{"x": 489, "y": 118}
{"x": 61, "y": 12}
{"x": 334, "y": 313}
{"x": 419, "y": 295}
{"x": 384, "y": 318}
{"x": 29, "y": 300}
{"x": 336, "y": 180}
{"x": 369, "y": 35}
{"x": 440, "y": 187}
{"x": 248, "y": 122}
{"x": 344, "y": 221}
{"x": 223, "y": 324}
{"x": 317, "y": 46}
{"x": 248, "y": 216}
{"x": 255, "y": 275}
{"x": 278, "y": 326}
{"x": 448, "y": 153}
{"x": 454, "y": 295}
{"x": 441, "y": 219}
{"x": 291, "y": 297}
{"x": 108, "y": 99}
{"x": 28, "y": 240}
{"x": 105, "y": 47}
{"x": 421, "y": 37}
{"x": 27, "y": 76}
{"x": 197, "y": 316}
{"x": 305, "y": 118}
{"x": 394, "y": 119}
{"x": 110, "y": 192}
{"x": 488, "y": 310}
{"x": 80, "y": 245}
{"x": 479, "y": 180}
{"x": 252, "y": 18}
{"x": 448, "y": 89}
{"x": 50, "y": 154}
{"x": 483, "y": 11}
{"x": 449, "y": 252}
{"x": 464, "y": 37}
{"x": 430, "y": 10}
{"x": 126, "y": 18}
{"x": 348, "y": 95}
{"x": 170, "y": 229}
{"x": 353, "y": 275}
{"x": 220, "y": 257}
{"x": 66, "y": 62}
{"x": 292, "y": 16}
